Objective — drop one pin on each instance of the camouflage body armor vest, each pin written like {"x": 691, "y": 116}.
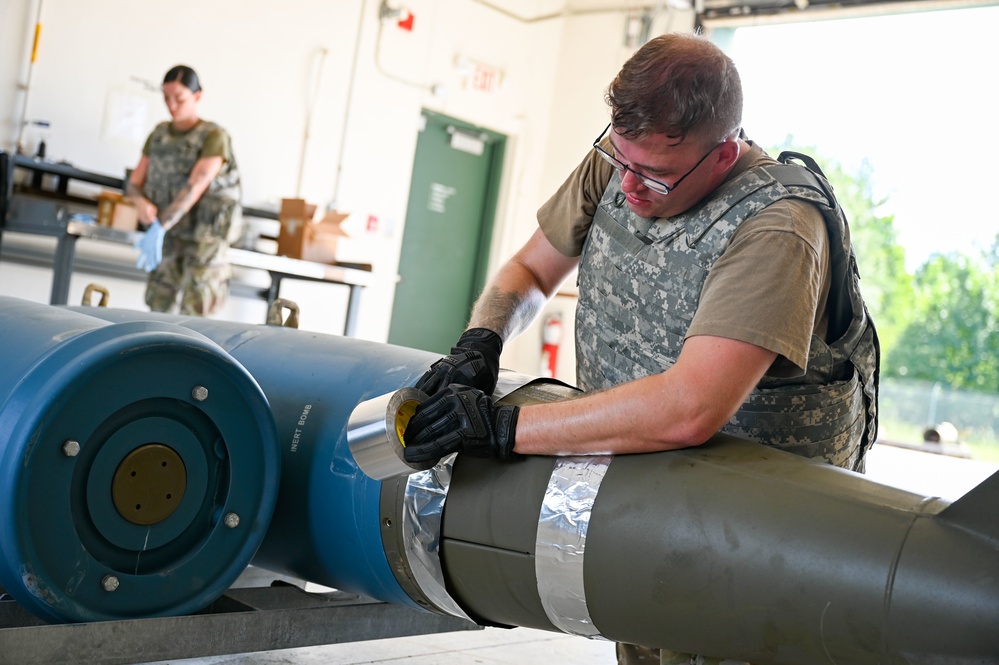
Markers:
{"x": 217, "y": 214}
{"x": 640, "y": 282}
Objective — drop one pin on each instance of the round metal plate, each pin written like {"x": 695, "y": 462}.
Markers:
{"x": 149, "y": 484}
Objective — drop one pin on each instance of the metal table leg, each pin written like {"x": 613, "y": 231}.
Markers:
{"x": 353, "y": 306}
{"x": 62, "y": 269}
{"x": 275, "y": 289}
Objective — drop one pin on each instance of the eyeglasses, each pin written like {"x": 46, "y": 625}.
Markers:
{"x": 651, "y": 183}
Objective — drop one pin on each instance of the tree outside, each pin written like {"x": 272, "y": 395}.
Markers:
{"x": 939, "y": 326}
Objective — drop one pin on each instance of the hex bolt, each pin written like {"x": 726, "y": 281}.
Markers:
{"x": 232, "y": 520}
{"x": 71, "y": 448}
{"x": 110, "y": 583}
{"x": 200, "y": 393}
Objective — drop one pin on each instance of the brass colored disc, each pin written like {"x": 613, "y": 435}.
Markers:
{"x": 149, "y": 484}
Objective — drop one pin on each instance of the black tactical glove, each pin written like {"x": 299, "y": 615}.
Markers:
{"x": 474, "y": 361}
{"x": 460, "y": 419}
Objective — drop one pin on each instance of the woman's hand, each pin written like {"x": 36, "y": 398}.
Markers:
{"x": 147, "y": 211}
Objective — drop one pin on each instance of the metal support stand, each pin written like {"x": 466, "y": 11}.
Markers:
{"x": 243, "y": 620}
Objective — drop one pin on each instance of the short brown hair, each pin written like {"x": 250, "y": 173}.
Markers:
{"x": 677, "y": 84}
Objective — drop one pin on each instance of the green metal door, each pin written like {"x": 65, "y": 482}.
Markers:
{"x": 445, "y": 245}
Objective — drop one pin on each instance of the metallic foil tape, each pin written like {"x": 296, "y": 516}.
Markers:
{"x": 561, "y": 541}
{"x": 375, "y": 434}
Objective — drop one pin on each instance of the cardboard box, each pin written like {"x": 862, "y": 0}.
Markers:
{"x": 322, "y": 238}
{"x": 116, "y": 211}
{"x": 294, "y": 215}
{"x": 301, "y": 237}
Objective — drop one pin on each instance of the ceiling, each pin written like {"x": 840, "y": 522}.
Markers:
{"x": 728, "y": 11}
{"x": 805, "y": 10}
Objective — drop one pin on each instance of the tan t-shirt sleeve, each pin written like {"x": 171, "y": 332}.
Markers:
{"x": 771, "y": 286}
{"x": 566, "y": 217}
{"x": 217, "y": 145}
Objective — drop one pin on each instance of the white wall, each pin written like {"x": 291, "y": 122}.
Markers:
{"x": 593, "y": 53}
{"x": 263, "y": 68}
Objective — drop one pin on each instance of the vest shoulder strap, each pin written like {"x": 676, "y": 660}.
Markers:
{"x": 809, "y": 176}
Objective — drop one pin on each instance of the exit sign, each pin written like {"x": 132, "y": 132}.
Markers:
{"x": 484, "y": 78}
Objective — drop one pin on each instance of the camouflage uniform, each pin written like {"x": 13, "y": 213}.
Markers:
{"x": 636, "y": 301}
{"x": 640, "y": 282}
{"x": 194, "y": 262}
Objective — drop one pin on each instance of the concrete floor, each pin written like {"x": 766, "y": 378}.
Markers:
{"x": 489, "y": 646}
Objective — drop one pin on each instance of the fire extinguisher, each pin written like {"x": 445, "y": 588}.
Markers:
{"x": 550, "y": 340}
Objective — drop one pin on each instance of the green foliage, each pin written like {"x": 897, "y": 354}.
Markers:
{"x": 886, "y": 285}
{"x": 954, "y": 336}
{"x": 939, "y": 325}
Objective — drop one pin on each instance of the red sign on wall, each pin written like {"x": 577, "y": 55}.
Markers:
{"x": 484, "y": 79}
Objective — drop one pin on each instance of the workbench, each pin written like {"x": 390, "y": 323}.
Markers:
{"x": 44, "y": 208}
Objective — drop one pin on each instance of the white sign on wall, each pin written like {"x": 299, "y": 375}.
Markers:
{"x": 126, "y": 115}
{"x": 439, "y": 194}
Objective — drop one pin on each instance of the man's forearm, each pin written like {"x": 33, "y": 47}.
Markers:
{"x": 513, "y": 298}
{"x": 509, "y": 303}
{"x": 640, "y": 416}
{"x": 508, "y": 313}
{"x": 679, "y": 407}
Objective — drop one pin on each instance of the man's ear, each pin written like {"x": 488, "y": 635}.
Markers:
{"x": 728, "y": 154}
